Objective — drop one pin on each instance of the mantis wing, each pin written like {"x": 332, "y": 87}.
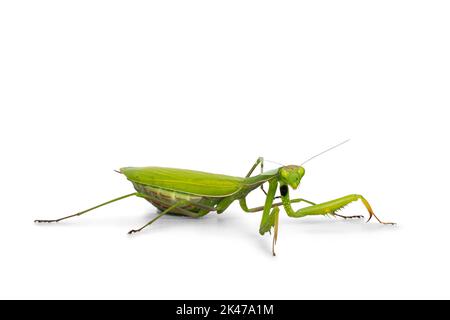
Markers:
{"x": 187, "y": 181}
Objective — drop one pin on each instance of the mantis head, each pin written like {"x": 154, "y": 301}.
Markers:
{"x": 291, "y": 175}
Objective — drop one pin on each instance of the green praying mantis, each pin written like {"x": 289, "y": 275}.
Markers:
{"x": 195, "y": 194}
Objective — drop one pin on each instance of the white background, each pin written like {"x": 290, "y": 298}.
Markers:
{"x": 90, "y": 86}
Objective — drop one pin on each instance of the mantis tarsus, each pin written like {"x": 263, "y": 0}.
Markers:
{"x": 195, "y": 194}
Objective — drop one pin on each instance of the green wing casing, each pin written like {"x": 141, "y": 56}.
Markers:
{"x": 187, "y": 181}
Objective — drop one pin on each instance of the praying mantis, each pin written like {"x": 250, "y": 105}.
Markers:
{"x": 195, "y": 194}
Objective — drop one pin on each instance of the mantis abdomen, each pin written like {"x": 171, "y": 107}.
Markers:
{"x": 163, "y": 199}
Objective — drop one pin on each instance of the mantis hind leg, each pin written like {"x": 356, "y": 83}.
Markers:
{"x": 179, "y": 203}
{"x": 87, "y": 210}
{"x": 330, "y": 207}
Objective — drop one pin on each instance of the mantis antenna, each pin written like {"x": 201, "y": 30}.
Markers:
{"x": 274, "y": 162}
{"x": 329, "y": 149}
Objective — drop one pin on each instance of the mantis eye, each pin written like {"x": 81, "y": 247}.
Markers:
{"x": 301, "y": 171}
{"x": 284, "y": 173}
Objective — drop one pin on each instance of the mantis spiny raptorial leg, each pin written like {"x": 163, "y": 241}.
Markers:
{"x": 259, "y": 161}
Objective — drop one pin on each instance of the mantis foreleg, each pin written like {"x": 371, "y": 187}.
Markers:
{"x": 259, "y": 161}
{"x": 347, "y": 217}
{"x": 243, "y": 204}
{"x": 270, "y": 219}
{"x": 329, "y": 207}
